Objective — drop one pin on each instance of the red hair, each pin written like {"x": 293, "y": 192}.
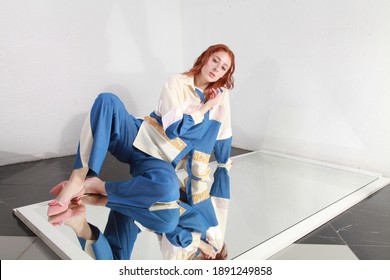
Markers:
{"x": 227, "y": 80}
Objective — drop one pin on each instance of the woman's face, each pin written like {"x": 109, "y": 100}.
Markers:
{"x": 217, "y": 66}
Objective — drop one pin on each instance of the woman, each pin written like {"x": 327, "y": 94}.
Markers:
{"x": 191, "y": 120}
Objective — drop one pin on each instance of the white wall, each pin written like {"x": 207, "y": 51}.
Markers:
{"x": 57, "y": 55}
{"x": 312, "y": 75}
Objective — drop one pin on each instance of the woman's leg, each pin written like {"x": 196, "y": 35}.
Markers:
{"x": 79, "y": 223}
{"x": 150, "y": 197}
{"x": 150, "y": 203}
{"x": 119, "y": 236}
{"x": 121, "y": 233}
{"x": 108, "y": 127}
{"x": 116, "y": 243}
{"x": 75, "y": 185}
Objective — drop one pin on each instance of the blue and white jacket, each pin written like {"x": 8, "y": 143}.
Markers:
{"x": 177, "y": 132}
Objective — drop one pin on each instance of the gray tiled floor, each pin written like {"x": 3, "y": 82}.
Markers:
{"x": 25, "y": 248}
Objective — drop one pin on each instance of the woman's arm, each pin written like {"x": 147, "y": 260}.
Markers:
{"x": 173, "y": 105}
{"x": 189, "y": 229}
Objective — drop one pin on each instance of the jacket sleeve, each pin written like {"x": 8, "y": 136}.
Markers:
{"x": 172, "y": 109}
{"x": 189, "y": 229}
{"x": 222, "y": 150}
{"x": 223, "y": 145}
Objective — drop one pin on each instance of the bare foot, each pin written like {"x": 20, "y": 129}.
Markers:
{"x": 91, "y": 185}
{"x": 70, "y": 191}
{"x": 95, "y": 199}
{"x": 94, "y": 185}
{"x": 79, "y": 224}
{"x": 74, "y": 187}
{"x": 75, "y": 222}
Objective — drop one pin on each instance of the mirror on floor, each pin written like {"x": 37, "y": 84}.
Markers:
{"x": 275, "y": 200}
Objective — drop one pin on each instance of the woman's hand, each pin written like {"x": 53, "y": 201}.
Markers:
{"x": 215, "y": 96}
{"x": 208, "y": 250}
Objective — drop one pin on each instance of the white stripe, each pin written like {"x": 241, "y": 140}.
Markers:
{"x": 189, "y": 108}
{"x": 220, "y": 203}
{"x": 153, "y": 143}
{"x": 217, "y": 113}
{"x": 171, "y": 117}
{"x": 141, "y": 227}
{"x": 176, "y": 114}
{"x": 86, "y": 141}
{"x": 225, "y": 134}
{"x": 226, "y": 165}
{"x": 198, "y": 117}
{"x": 164, "y": 205}
{"x": 88, "y": 248}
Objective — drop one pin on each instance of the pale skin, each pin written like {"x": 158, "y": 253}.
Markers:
{"x": 79, "y": 222}
{"x": 80, "y": 225}
{"x": 207, "y": 249}
{"x": 214, "y": 69}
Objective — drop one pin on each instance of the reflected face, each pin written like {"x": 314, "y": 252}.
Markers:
{"x": 216, "y": 66}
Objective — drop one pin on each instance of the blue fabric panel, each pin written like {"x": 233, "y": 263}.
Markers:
{"x": 221, "y": 183}
{"x": 222, "y": 150}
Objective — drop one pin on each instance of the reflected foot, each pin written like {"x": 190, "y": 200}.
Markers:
{"x": 68, "y": 193}
{"x": 74, "y": 215}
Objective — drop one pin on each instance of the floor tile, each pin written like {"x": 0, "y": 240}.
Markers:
{"x": 12, "y": 247}
{"x": 323, "y": 235}
{"x": 13, "y": 196}
{"x": 42, "y": 172}
{"x": 12, "y": 226}
{"x": 371, "y": 252}
{"x": 359, "y": 227}
{"x": 38, "y": 251}
{"x": 315, "y": 252}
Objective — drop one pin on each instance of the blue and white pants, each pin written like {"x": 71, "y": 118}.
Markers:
{"x": 150, "y": 197}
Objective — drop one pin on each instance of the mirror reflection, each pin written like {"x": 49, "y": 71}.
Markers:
{"x": 199, "y": 234}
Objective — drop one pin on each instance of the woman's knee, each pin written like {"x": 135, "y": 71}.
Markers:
{"x": 107, "y": 97}
{"x": 167, "y": 220}
{"x": 170, "y": 188}
{"x": 107, "y": 101}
